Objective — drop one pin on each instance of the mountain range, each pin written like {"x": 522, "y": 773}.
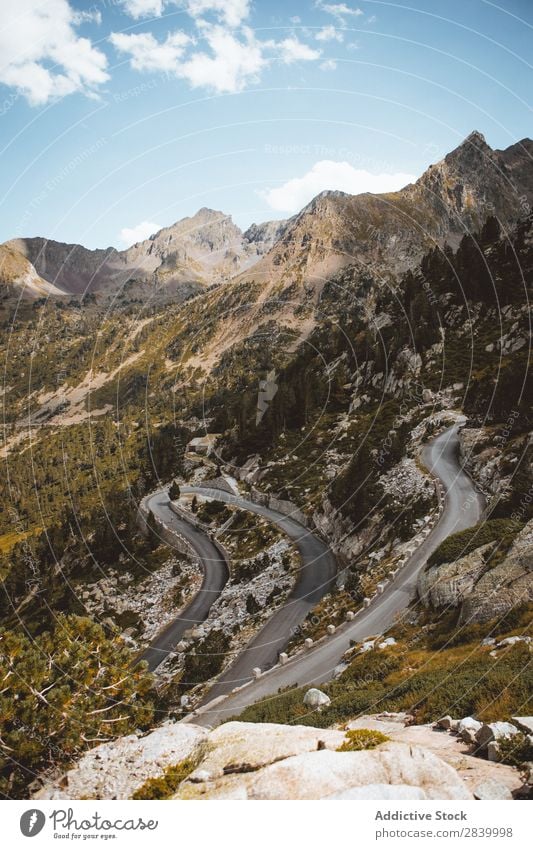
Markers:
{"x": 334, "y": 230}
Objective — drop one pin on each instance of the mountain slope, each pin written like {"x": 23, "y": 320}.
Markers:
{"x": 452, "y": 197}
{"x": 175, "y": 262}
{"x": 19, "y": 277}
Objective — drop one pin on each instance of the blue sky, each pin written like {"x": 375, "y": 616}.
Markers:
{"x": 120, "y": 116}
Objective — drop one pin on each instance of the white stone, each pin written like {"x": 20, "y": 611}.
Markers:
{"x": 316, "y": 698}
{"x": 308, "y": 643}
{"x": 489, "y": 790}
{"x": 283, "y": 658}
{"x": 494, "y": 731}
{"x": 330, "y": 629}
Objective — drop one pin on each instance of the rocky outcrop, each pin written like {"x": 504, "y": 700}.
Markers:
{"x": 116, "y": 770}
{"x": 449, "y": 584}
{"x": 176, "y": 261}
{"x": 18, "y": 277}
{"x": 452, "y": 197}
{"x": 480, "y": 591}
{"x": 246, "y": 761}
{"x": 506, "y": 586}
{"x": 262, "y": 762}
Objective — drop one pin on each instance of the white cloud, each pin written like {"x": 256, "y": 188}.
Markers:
{"x": 143, "y": 8}
{"x": 294, "y": 50}
{"x": 231, "y": 12}
{"x": 41, "y": 54}
{"x": 327, "y": 174}
{"x": 232, "y": 64}
{"x": 328, "y": 65}
{"x": 142, "y": 231}
{"x": 340, "y": 10}
{"x": 148, "y": 54}
{"x": 93, "y": 16}
{"x": 329, "y": 33}
{"x": 223, "y": 55}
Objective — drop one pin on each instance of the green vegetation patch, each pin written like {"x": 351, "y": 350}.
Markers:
{"x": 166, "y": 785}
{"x": 362, "y": 738}
{"x": 502, "y": 531}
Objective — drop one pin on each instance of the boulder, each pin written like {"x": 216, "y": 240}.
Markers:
{"x": 467, "y": 729}
{"x": 116, "y": 770}
{"x": 491, "y": 732}
{"x": 489, "y": 790}
{"x": 447, "y": 723}
{"x": 507, "y": 585}
{"x": 323, "y": 773}
{"x": 239, "y": 747}
{"x": 316, "y": 699}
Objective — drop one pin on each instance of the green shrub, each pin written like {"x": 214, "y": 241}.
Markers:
{"x": 362, "y": 738}
{"x": 516, "y": 750}
{"x": 166, "y": 785}
{"x": 502, "y": 531}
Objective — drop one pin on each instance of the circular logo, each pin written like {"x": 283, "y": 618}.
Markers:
{"x": 32, "y": 822}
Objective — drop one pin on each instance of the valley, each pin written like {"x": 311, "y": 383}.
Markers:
{"x": 305, "y": 450}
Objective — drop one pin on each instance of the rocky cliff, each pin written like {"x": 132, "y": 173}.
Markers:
{"x": 175, "y": 262}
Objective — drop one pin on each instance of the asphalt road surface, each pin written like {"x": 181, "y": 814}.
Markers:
{"x": 315, "y": 578}
{"x": 463, "y": 507}
{"x": 215, "y": 571}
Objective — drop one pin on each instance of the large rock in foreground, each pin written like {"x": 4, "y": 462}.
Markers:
{"x": 393, "y": 770}
{"x": 241, "y": 760}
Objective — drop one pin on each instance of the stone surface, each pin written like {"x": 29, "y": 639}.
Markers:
{"x": 265, "y": 761}
{"x": 240, "y": 746}
{"x": 467, "y": 728}
{"x": 472, "y": 769}
{"x": 115, "y": 770}
{"x": 492, "y": 790}
{"x": 449, "y": 584}
{"x": 381, "y": 791}
{"x": 483, "y": 593}
{"x": 323, "y": 773}
{"x": 493, "y": 731}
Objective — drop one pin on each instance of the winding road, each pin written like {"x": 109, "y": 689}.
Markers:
{"x": 315, "y": 578}
{"x": 215, "y": 575}
{"x": 463, "y": 507}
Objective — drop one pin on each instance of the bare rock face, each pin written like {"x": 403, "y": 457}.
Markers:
{"x": 19, "y": 277}
{"x": 452, "y": 197}
{"x": 393, "y": 770}
{"x": 241, "y": 760}
{"x": 480, "y": 591}
{"x": 239, "y": 747}
{"x": 178, "y": 261}
{"x": 116, "y": 770}
{"x": 449, "y": 584}
{"x": 506, "y": 586}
